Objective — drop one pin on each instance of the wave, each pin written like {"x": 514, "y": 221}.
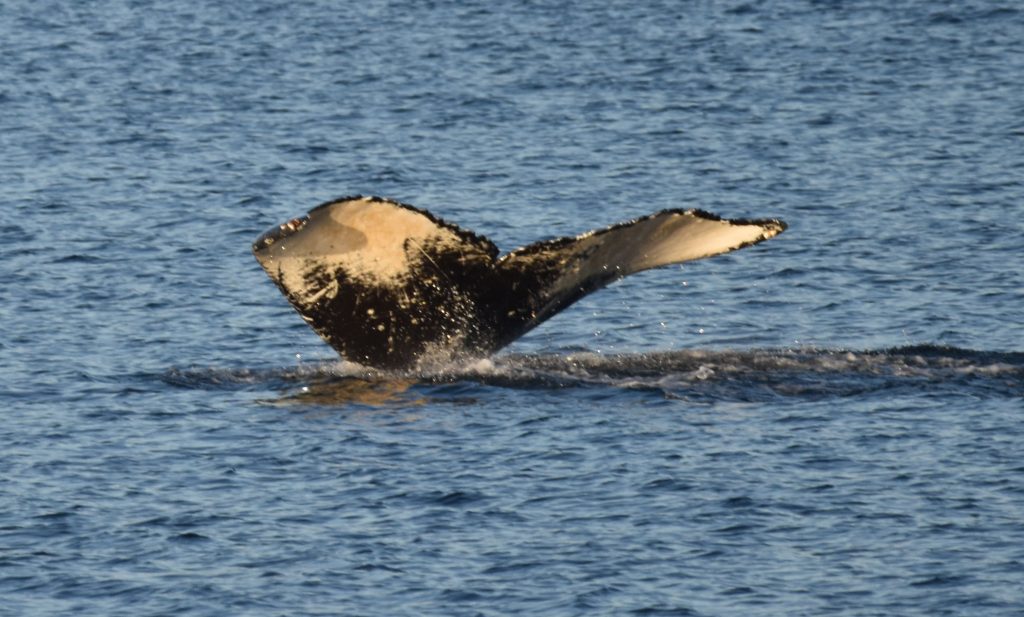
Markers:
{"x": 747, "y": 375}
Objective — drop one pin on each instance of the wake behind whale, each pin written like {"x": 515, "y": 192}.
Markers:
{"x": 745, "y": 375}
{"x": 390, "y": 286}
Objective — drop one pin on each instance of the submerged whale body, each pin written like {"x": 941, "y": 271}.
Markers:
{"x": 391, "y": 286}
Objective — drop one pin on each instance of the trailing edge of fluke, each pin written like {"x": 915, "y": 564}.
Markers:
{"x": 394, "y": 287}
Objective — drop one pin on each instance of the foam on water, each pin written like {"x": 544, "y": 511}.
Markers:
{"x": 719, "y": 374}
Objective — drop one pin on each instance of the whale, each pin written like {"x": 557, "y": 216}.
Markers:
{"x": 394, "y": 287}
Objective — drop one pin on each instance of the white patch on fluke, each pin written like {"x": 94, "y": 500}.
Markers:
{"x": 365, "y": 238}
{"x": 668, "y": 237}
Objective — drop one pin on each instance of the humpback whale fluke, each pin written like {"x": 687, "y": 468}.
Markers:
{"x": 392, "y": 286}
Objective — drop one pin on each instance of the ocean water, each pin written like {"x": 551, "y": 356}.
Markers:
{"x": 827, "y": 423}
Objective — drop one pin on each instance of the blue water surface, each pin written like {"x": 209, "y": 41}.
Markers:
{"x": 827, "y": 423}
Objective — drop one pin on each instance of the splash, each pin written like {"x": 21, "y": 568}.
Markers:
{"x": 742, "y": 375}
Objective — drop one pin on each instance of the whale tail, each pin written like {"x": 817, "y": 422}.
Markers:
{"x": 391, "y": 286}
